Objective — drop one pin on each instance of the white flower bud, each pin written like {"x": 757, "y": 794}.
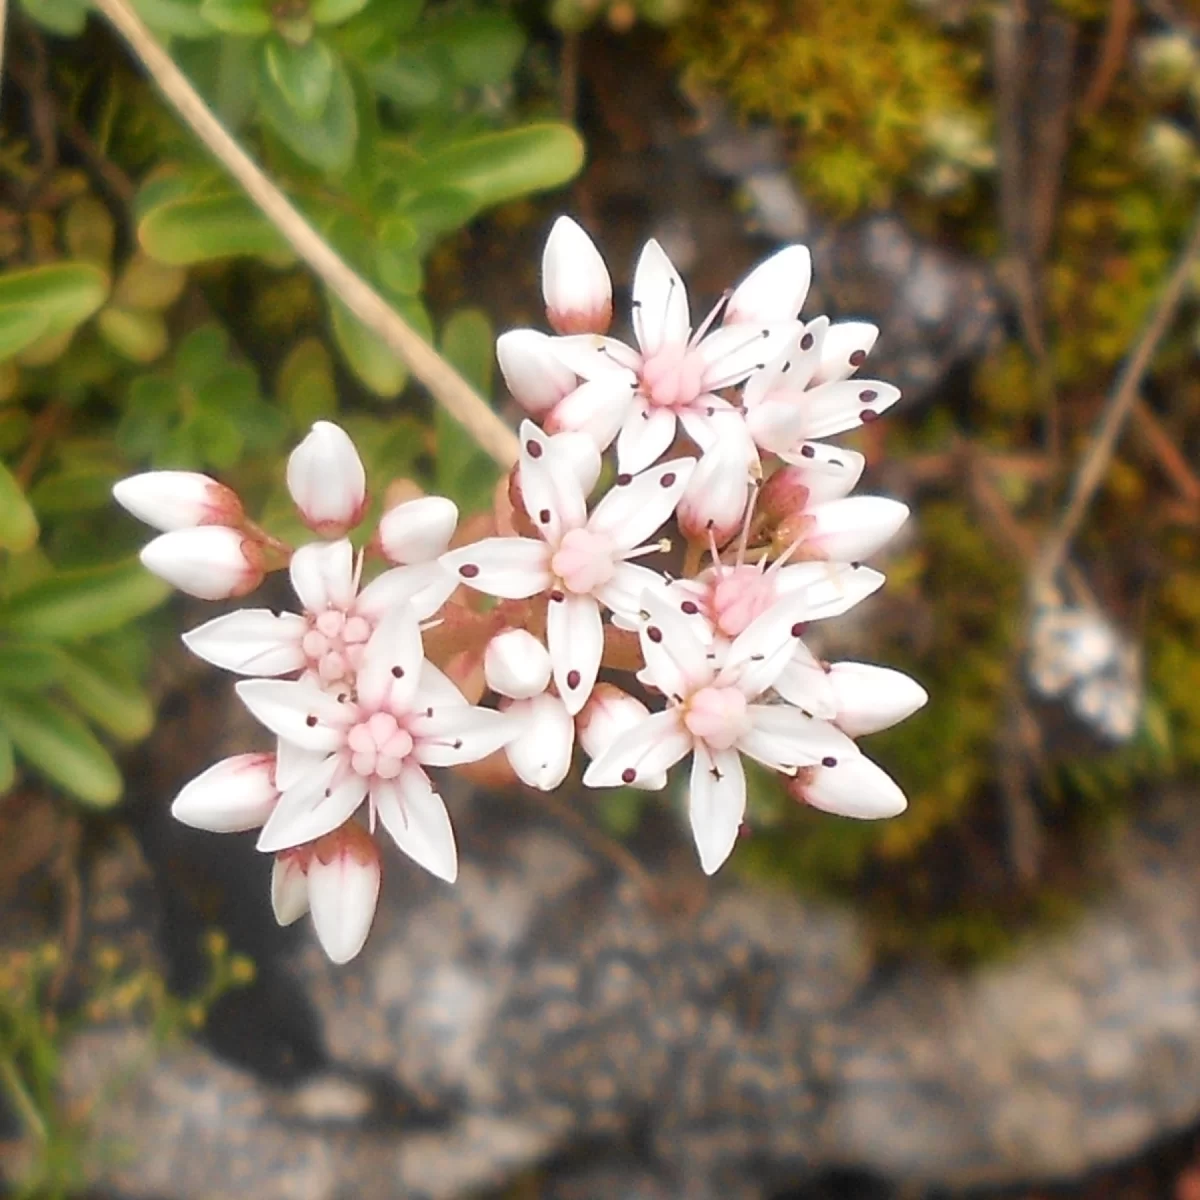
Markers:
{"x": 516, "y": 664}
{"x": 235, "y": 794}
{"x": 870, "y": 698}
{"x": 171, "y": 500}
{"x": 852, "y": 529}
{"x": 289, "y": 885}
{"x": 417, "y": 531}
{"x": 575, "y": 281}
{"x": 541, "y": 753}
{"x": 343, "y": 889}
{"x": 209, "y": 562}
{"x": 717, "y": 493}
{"x": 535, "y": 376}
{"x": 327, "y": 480}
{"x": 608, "y": 713}
{"x": 774, "y": 291}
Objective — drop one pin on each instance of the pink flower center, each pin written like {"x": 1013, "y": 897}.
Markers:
{"x": 673, "y": 378}
{"x": 717, "y": 715}
{"x": 334, "y": 644}
{"x": 583, "y": 560}
{"x": 379, "y": 746}
{"x": 738, "y": 596}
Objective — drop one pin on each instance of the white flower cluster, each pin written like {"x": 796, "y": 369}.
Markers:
{"x": 747, "y": 533}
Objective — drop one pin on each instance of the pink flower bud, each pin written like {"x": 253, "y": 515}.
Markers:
{"x": 608, "y": 713}
{"x": 235, "y": 794}
{"x": 289, "y": 884}
{"x": 516, "y": 664}
{"x": 327, "y": 481}
{"x": 575, "y": 281}
{"x": 417, "y": 531}
{"x": 717, "y": 493}
{"x": 852, "y": 529}
{"x": 210, "y": 562}
{"x": 171, "y": 500}
{"x": 784, "y": 493}
{"x": 534, "y": 374}
{"x": 343, "y": 889}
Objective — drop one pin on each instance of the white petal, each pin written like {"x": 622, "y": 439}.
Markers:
{"x": 622, "y": 594}
{"x": 836, "y": 407}
{"x": 774, "y": 291}
{"x": 854, "y": 787}
{"x": 292, "y": 763}
{"x": 536, "y": 377}
{"x": 845, "y": 342}
{"x": 298, "y": 711}
{"x": 414, "y": 814}
{"x": 719, "y": 489}
{"x": 779, "y": 421}
{"x": 516, "y": 664}
{"x": 437, "y": 690}
{"x": 634, "y": 511}
{"x": 178, "y": 500}
{"x": 317, "y": 805}
{"x": 644, "y": 752}
{"x": 210, "y": 562}
{"x": 645, "y": 436}
{"x": 676, "y": 660}
{"x": 805, "y": 683}
{"x": 593, "y": 357}
{"x": 575, "y": 637}
{"x": 870, "y": 698}
{"x": 854, "y": 528}
{"x": 327, "y": 480}
{"x": 734, "y": 352}
{"x": 540, "y": 754}
{"x": 289, "y": 889}
{"x": 323, "y": 575}
{"x": 423, "y": 587}
{"x": 608, "y": 713}
{"x": 232, "y": 795}
{"x": 784, "y": 739}
{"x": 417, "y": 531}
{"x": 391, "y": 664}
{"x": 761, "y": 652}
{"x": 460, "y": 734}
{"x": 829, "y": 472}
{"x": 575, "y": 282}
{"x": 342, "y": 894}
{"x": 660, "y": 303}
{"x": 716, "y": 804}
{"x": 579, "y": 451}
{"x": 597, "y": 408}
{"x": 251, "y": 641}
{"x": 511, "y": 568}
{"x": 831, "y": 588}
{"x": 550, "y": 490}
{"x": 772, "y": 378}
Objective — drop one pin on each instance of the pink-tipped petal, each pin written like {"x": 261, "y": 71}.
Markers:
{"x": 641, "y": 754}
{"x": 853, "y": 787}
{"x": 516, "y": 664}
{"x": 575, "y": 282}
{"x": 414, "y": 814}
{"x": 323, "y": 575}
{"x": 343, "y": 890}
{"x": 326, "y": 479}
{"x": 540, "y": 754}
{"x": 870, "y": 698}
{"x": 251, "y": 641}
{"x": 774, "y": 291}
{"x": 855, "y": 528}
{"x": 635, "y": 509}
{"x": 170, "y": 500}
{"x": 233, "y": 795}
{"x": 660, "y": 302}
{"x": 417, "y": 531}
{"x": 511, "y": 568}
{"x": 575, "y": 638}
{"x": 210, "y": 562}
{"x": 716, "y": 804}
{"x": 536, "y": 377}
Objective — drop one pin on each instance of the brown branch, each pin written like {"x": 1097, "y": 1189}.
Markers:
{"x": 1164, "y": 448}
{"x": 448, "y": 387}
{"x": 1112, "y": 55}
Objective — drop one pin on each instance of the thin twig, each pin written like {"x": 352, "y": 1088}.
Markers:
{"x": 1112, "y": 55}
{"x": 448, "y": 387}
{"x": 1095, "y": 463}
{"x": 1164, "y": 448}
{"x": 3, "y": 35}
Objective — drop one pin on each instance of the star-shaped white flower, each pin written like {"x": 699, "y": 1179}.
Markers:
{"x": 580, "y": 560}
{"x": 716, "y": 712}
{"x": 373, "y": 743}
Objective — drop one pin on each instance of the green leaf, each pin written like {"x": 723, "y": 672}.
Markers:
{"x": 28, "y": 666}
{"x": 47, "y": 302}
{"x": 243, "y": 18}
{"x": 408, "y": 79}
{"x": 18, "y": 523}
{"x": 399, "y": 271}
{"x": 177, "y": 18}
{"x": 484, "y": 47}
{"x": 77, "y": 487}
{"x": 302, "y": 75}
{"x": 469, "y": 341}
{"x": 367, "y": 356}
{"x": 495, "y": 167}
{"x": 61, "y": 747}
{"x": 136, "y": 335}
{"x": 73, "y": 605}
{"x": 334, "y": 12}
{"x": 305, "y": 384}
{"x": 64, "y": 17}
{"x": 105, "y": 691}
{"x": 195, "y": 230}
{"x": 439, "y": 210}
{"x": 8, "y": 763}
{"x": 326, "y": 141}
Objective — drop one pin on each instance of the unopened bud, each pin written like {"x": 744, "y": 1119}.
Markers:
{"x": 774, "y": 291}
{"x": 418, "y": 530}
{"x": 170, "y": 500}
{"x": 537, "y": 379}
{"x": 233, "y": 795}
{"x": 516, "y": 664}
{"x": 784, "y": 493}
{"x": 717, "y": 493}
{"x": 609, "y": 713}
{"x": 326, "y": 479}
{"x": 575, "y": 281}
{"x": 210, "y": 562}
{"x": 289, "y": 884}
{"x": 343, "y": 889}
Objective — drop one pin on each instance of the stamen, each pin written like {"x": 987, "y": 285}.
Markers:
{"x": 708, "y": 321}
